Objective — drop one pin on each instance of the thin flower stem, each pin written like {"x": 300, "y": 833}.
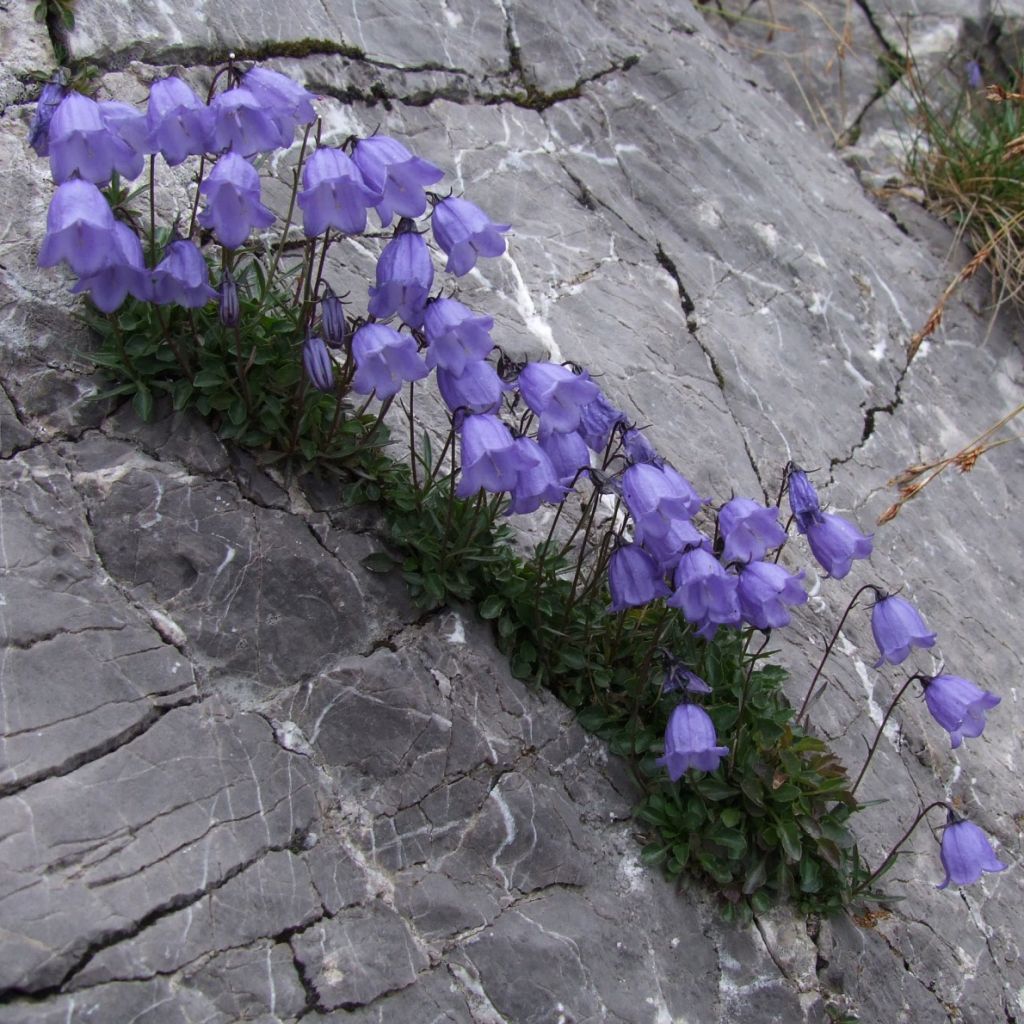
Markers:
{"x": 152, "y": 210}
{"x": 412, "y": 441}
{"x": 881, "y": 729}
{"x": 288, "y": 219}
{"x": 892, "y": 853}
{"x": 828, "y": 651}
{"x": 195, "y": 204}
{"x": 745, "y": 696}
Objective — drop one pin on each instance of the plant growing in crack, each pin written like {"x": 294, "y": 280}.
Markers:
{"x": 645, "y": 608}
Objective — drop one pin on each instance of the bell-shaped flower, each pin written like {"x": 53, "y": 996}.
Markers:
{"x": 457, "y": 336}
{"x": 491, "y": 460}
{"x": 333, "y": 194}
{"x": 179, "y": 123}
{"x": 405, "y": 276}
{"x": 835, "y": 543}
{"x": 965, "y": 853}
{"x": 286, "y": 102}
{"x": 129, "y": 124}
{"x": 332, "y": 319}
{"x": 242, "y": 123}
{"x": 634, "y": 578}
{"x": 182, "y": 277}
{"x": 958, "y": 705}
{"x": 233, "y": 206}
{"x": 656, "y": 496}
{"x": 465, "y": 232}
{"x": 803, "y": 499}
{"x": 639, "y": 449}
{"x": 897, "y": 626}
{"x": 396, "y": 175}
{"x": 81, "y": 142}
{"x": 748, "y": 530}
{"x": 317, "y": 363}
{"x": 568, "y": 452}
{"x": 124, "y": 273}
{"x": 767, "y": 592}
{"x": 597, "y": 419}
{"x": 49, "y": 100}
{"x": 705, "y": 593}
{"x": 385, "y": 360}
{"x": 536, "y": 483}
{"x": 690, "y": 742}
{"x": 667, "y": 548}
{"x": 679, "y": 676}
{"x": 555, "y": 394}
{"x": 478, "y": 389}
{"x": 79, "y": 229}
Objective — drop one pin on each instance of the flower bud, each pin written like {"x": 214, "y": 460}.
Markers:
{"x": 332, "y": 319}
{"x": 230, "y": 313}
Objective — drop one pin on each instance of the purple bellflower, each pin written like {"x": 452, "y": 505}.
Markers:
{"x": 385, "y": 360}
{"x": 803, "y": 499}
{"x": 478, "y": 389}
{"x": 690, "y": 742}
{"x": 679, "y": 676}
{"x": 957, "y": 705}
{"x": 286, "y": 102}
{"x": 634, "y": 578}
{"x": 597, "y": 420}
{"x": 555, "y": 394}
{"x": 334, "y": 194}
{"x": 128, "y": 123}
{"x": 465, "y": 232}
{"x": 835, "y": 543}
{"x": 705, "y": 593}
{"x": 332, "y": 319}
{"x": 82, "y": 142}
{"x": 767, "y": 592}
{"x": 49, "y": 100}
{"x": 405, "y": 276}
{"x": 233, "y": 206}
{"x": 568, "y": 452}
{"x": 749, "y": 530}
{"x": 537, "y": 482}
{"x": 396, "y": 175}
{"x": 316, "y": 361}
{"x": 656, "y": 496}
{"x": 457, "y": 336}
{"x": 182, "y": 277}
{"x": 242, "y": 122}
{"x": 79, "y": 229}
{"x": 639, "y": 449}
{"x": 897, "y": 626}
{"x": 965, "y": 853}
{"x": 179, "y": 123}
{"x": 491, "y": 460}
{"x": 124, "y": 273}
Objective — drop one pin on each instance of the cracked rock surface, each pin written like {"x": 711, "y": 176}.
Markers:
{"x": 242, "y": 779}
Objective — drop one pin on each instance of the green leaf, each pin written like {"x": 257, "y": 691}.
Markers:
{"x": 379, "y": 562}
{"x": 789, "y": 835}
{"x": 731, "y": 817}
{"x": 715, "y": 789}
{"x": 142, "y": 403}
{"x": 756, "y": 877}
{"x": 810, "y": 875}
{"x": 653, "y": 854}
{"x": 491, "y": 606}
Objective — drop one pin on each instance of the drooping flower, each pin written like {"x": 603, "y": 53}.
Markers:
{"x": 491, "y": 460}
{"x": 597, "y": 420}
{"x": 396, "y": 175}
{"x": 332, "y": 319}
{"x": 478, "y": 389}
{"x": 958, "y": 705}
{"x": 242, "y": 122}
{"x": 536, "y": 482}
{"x": 803, "y": 499}
{"x": 656, "y": 496}
{"x": 317, "y": 363}
{"x": 639, "y": 449}
{"x": 668, "y": 548}
{"x": 233, "y": 206}
{"x": 129, "y": 124}
{"x": 333, "y": 194}
{"x": 705, "y": 593}
{"x": 966, "y": 853}
{"x": 179, "y": 123}
{"x": 690, "y": 742}
{"x": 230, "y": 312}
{"x": 457, "y": 336}
{"x": 679, "y": 676}
{"x": 79, "y": 228}
{"x": 555, "y": 394}
{"x": 835, "y": 543}
{"x": 385, "y": 360}
{"x": 465, "y": 232}
{"x": 405, "y": 276}
{"x": 81, "y": 142}
{"x": 49, "y": 100}
{"x": 634, "y": 578}
{"x": 123, "y": 274}
{"x": 182, "y": 276}
{"x": 749, "y": 530}
{"x": 286, "y": 102}
{"x": 897, "y": 626}
{"x": 568, "y": 452}
{"x": 767, "y": 592}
